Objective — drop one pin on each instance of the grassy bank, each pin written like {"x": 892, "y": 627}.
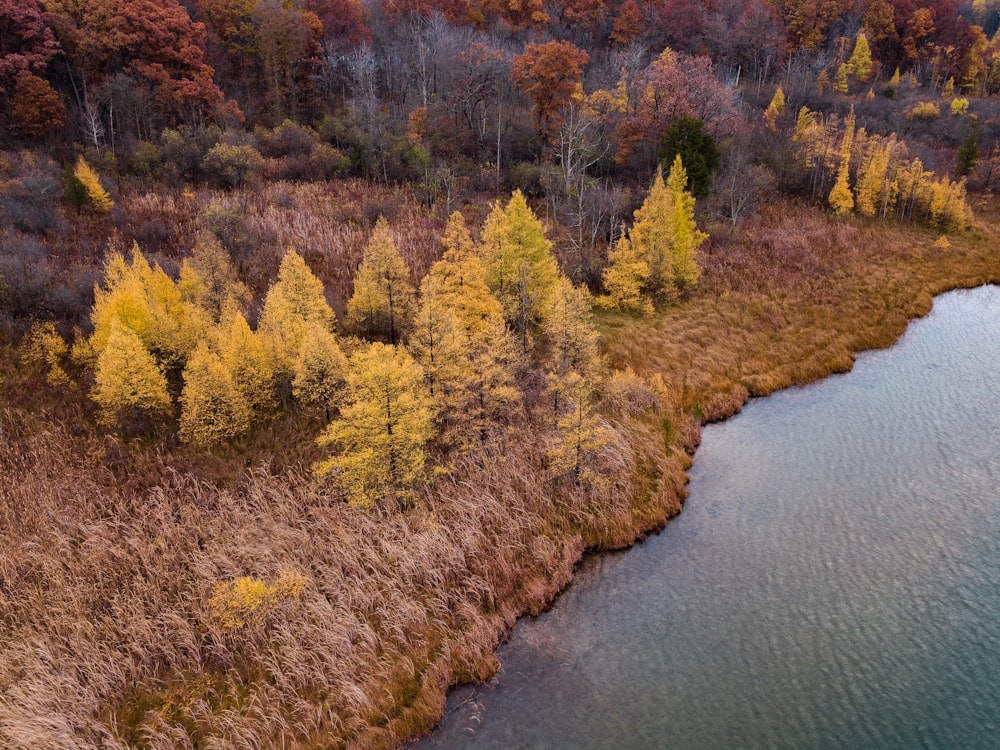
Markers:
{"x": 110, "y": 551}
{"x": 792, "y": 299}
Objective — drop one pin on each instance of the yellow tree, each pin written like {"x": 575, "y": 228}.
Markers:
{"x": 573, "y": 351}
{"x": 129, "y": 385}
{"x": 860, "y": 63}
{"x": 775, "y": 109}
{"x": 382, "y": 301}
{"x": 438, "y": 343}
{"x": 213, "y": 409}
{"x": 651, "y": 237}
{"x": 382, "y": 434}
{"x": 145, "y": 300}
{"x": 873, "y": 187}
{"x": 208, "y": 278}
{"x": 245, "y": 356}
{"x": 568, "y": 327}
{"x": 520, "y": 267}
{"x": 665, "y": 235}
{"x": 460, "y": 279}
{"x": 97, "y": 197}
{"x": 293, "y": 303}
{"x": 841, "y": 199}
{"x": 841, "y": 84}
{"x": 625, "y": 279}
{"x": 320, "y": 372}
{"x": 687, "y": 238}
{"x": 575, "y": 451}
{"x": 488, "y": 399}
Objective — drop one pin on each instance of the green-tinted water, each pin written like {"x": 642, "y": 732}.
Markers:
{"x": 833, "y": 581}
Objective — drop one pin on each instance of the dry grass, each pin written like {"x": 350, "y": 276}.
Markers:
{"x": 791, "y": 300}
{"x": 328, "y": 223}
{"x": 110, "y": 553}
{"x": 110, "y": 638}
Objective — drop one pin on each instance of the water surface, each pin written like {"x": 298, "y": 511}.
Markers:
{"x": 833, "y": 581}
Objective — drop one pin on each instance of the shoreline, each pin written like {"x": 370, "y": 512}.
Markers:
{"x": 728, "y": 400}
{"x": 401, "y": 607}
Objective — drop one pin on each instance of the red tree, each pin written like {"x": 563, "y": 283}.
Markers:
{"x": 677, "y": 23}
{"x": 35, "y": 107}
{"x": 673, "y": 85}
{"x": 26, "y": 44}
{"x": 550, "y": 74}
{"x": 628, "y": 23}
{"x": 343, "y": 21}
{"x": 153, "y": 40}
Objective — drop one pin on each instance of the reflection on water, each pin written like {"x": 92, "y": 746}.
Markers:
{"x": 833, "y": 582}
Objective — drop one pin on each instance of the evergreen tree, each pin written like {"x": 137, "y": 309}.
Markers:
{"x": 293, "y": 303}
{"x": 382, "y": 302}
{"x": 520, "y": 267}
{"x": 320, "y": 372}
{"x": 383, "y": 430}
{"x": 686, "y": 137}
{"x": 213, "y": 410}
{"x": 129, "y": 386}
{"x": 625, "y": 278}
{"x": 968, "y": 152}
{"x": 76, "y": 193}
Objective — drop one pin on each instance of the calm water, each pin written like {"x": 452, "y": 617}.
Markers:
{"x": 833, "y": 581}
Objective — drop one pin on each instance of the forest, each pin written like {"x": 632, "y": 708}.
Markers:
{"x": 332, "y": 333}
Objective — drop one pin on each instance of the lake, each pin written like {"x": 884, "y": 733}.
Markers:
{"x": 833, "y": 580}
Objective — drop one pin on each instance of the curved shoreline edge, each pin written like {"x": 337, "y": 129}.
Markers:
{"x": 902, "y": 282}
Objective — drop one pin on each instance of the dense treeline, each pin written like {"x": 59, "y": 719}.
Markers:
{"x": 303, "y": 398}
{"x": 574, "y": 105}
{"x": 432, "y": 90}
{"x": 496, "y": 334}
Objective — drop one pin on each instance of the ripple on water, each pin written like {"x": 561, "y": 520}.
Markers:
{"x": 833, "y": 582}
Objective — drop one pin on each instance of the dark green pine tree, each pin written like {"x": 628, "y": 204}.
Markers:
{"x": 687, "y": 137}
{"x": 968, "y": 152}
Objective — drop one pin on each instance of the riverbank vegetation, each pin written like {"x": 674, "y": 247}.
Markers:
{"x": 127, "y": 540}
{"x": 333, "y": 334}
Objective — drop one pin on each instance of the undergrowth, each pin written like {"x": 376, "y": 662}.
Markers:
{"x": 113, "y": 552}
